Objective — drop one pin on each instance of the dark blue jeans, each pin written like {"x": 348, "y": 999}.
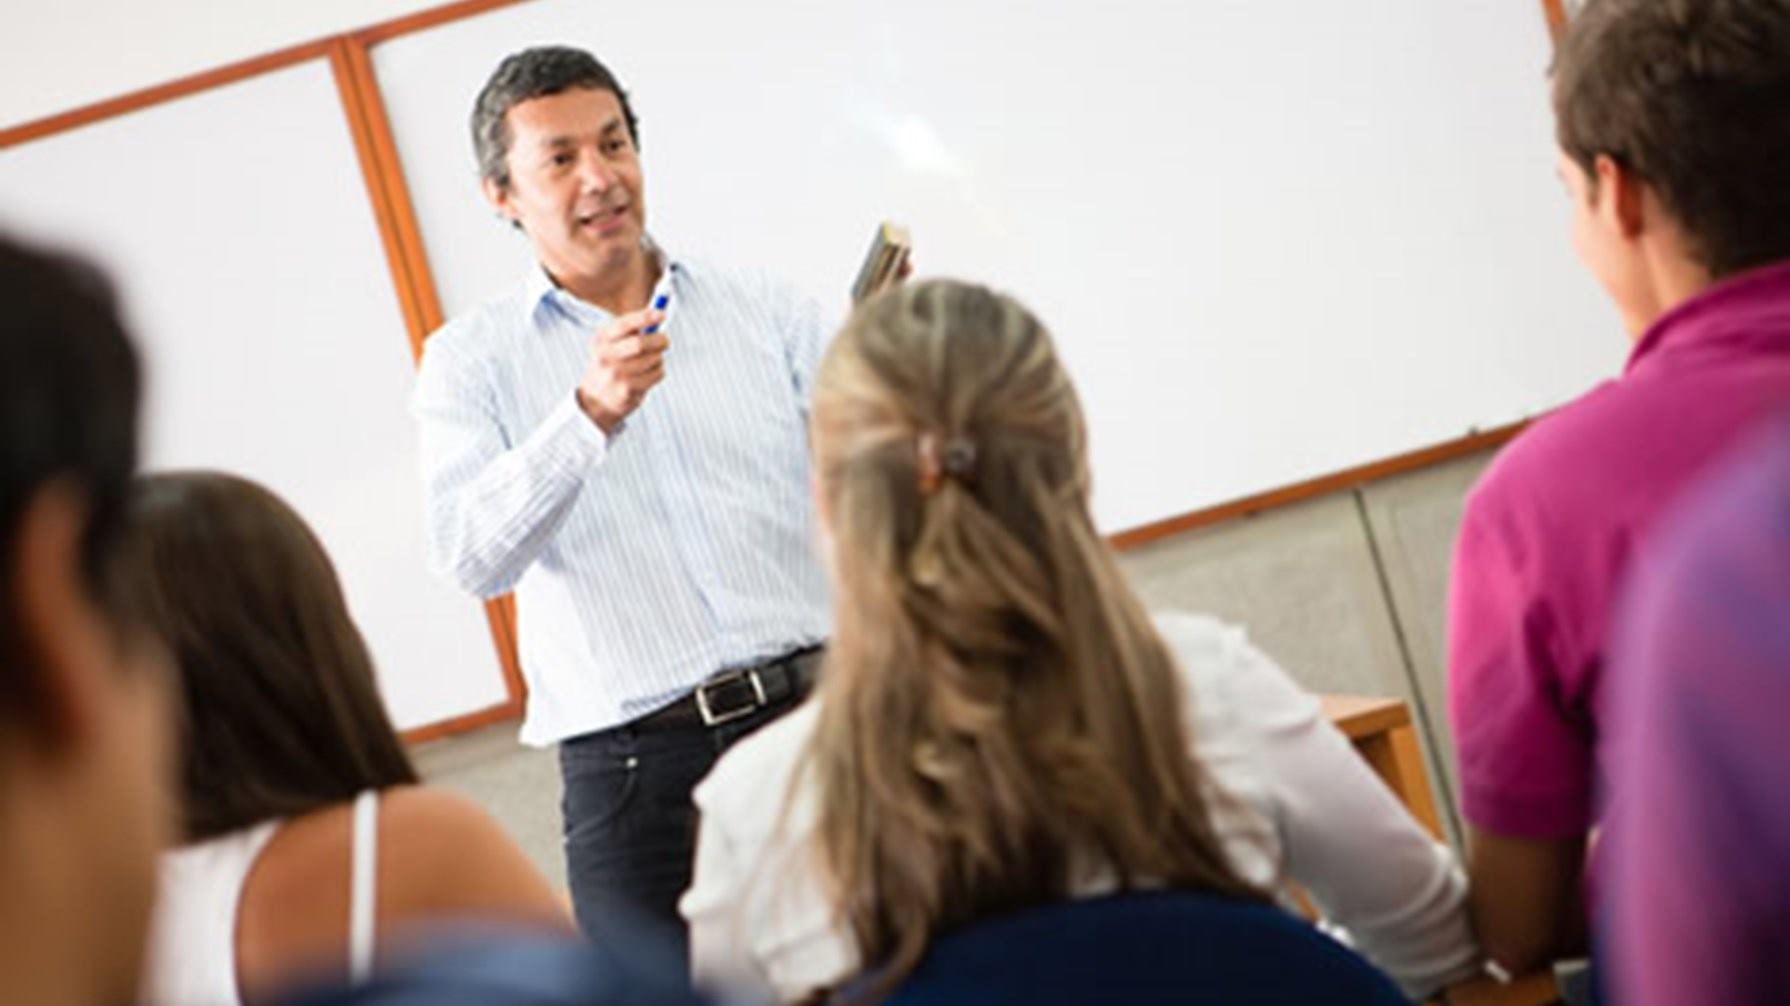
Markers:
{"x": 630, "y": 826}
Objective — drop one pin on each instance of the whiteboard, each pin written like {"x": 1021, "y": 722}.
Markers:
{"x": 1274, "y": 240}
{"x": 238, "y": 228}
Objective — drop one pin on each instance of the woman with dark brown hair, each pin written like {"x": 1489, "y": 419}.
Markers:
{"x": 306, "y": 839}
{"x": 999, "y": 724}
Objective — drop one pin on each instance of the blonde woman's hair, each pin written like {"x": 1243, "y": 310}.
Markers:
{"x": 997, "y": 710}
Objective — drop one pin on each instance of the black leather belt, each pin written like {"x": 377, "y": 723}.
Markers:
{"x": 738, "y": 693}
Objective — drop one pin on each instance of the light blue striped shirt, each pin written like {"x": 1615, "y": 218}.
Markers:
{"x": 644, "y": 561}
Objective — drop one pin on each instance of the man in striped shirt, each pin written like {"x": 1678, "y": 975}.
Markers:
{"x": 621, "y": 440}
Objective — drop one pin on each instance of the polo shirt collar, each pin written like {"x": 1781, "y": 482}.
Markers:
{"x": 1747, "y": 311}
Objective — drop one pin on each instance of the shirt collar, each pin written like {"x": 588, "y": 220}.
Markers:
{"x": 540, "y": 293}
{"x": 1750, "y": 308}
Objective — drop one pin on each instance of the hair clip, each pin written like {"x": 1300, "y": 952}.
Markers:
{"x": 957, "y": 461}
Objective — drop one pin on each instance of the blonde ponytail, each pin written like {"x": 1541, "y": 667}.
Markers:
{"x": 997, "y": 709}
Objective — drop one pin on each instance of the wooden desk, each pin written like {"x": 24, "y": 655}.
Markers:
{"x": 1530, "y": 990}
{"x": 1381, "y": 730}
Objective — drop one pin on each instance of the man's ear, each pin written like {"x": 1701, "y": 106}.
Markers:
{"x": 498, "y": 197}
{"x": 1621, "y": 196}
{"x": 60, "y": 630}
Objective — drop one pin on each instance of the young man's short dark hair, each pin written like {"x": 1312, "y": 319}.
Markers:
{"x": 534, "y": 73}
{"x": 1693, "y": 96}
{"x": 70, "y": 385}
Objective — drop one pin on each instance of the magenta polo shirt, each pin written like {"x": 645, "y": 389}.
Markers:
{"x": 1548, "y": 534}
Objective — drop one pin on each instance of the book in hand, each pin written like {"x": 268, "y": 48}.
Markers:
{"x": 882, "y": 267}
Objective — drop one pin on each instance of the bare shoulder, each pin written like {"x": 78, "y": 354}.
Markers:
{"x": 429, "y": 826}
{"x": 429, "y": 813}
{"x": 441, "y": 856}
{"x": 441, "y": 852}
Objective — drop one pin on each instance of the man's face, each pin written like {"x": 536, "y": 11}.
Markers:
{"x": 1603, "y": 240}
{"x": 575, "y": 183}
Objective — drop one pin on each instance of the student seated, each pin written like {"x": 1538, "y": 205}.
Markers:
{"x": 1674, "y": 127}
{"x": 83, "y": 694}
{"x": 306, "y": 841}
{"x": 999, "y": 724}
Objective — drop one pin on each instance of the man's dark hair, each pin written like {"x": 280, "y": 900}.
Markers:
{"x": 534, "y": 73}
{"x": 280, "y": 713}
{"x": 1693, "y": 96}
{"x": 70, "y": 385}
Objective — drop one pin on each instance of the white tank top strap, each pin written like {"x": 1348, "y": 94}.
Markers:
{"x": 363, "y": 894}
{"x": 192, "y": 940}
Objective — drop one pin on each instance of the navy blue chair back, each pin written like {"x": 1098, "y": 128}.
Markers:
{"x": 1145, "y": 948}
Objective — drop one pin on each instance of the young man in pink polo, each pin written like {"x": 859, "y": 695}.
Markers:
{"x": 1674, "y": 129}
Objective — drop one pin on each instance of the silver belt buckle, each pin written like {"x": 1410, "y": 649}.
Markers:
{"x": 712, "y": 718}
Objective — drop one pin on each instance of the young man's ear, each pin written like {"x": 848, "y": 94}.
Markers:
{"x": 57, "y": 619}
{"x": 1621, "y": 196}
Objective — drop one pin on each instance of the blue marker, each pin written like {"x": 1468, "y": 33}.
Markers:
{"x": 659, "y": 303}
